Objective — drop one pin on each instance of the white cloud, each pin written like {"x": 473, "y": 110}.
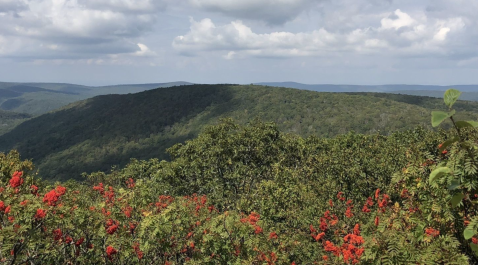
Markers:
{"x": 144, "y": 51}
{"x": 204, "y": 35}
{"x": 229, "y": 55}
{"x": 79, "y": 29}
{"x": 339, "y": 34}
{"x": 402, "y": 35}
{"x": 441, "y": 34}
{"x": 402, "y": 20}
{"x": 67, "y": 18}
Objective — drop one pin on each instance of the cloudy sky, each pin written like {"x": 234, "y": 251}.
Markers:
{"x": 99, "y": 42}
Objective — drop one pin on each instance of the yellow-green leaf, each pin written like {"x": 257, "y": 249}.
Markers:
{"x": 437, "y": 173}
{"x": 439, "y": 116}
{"x": 451, "y": 96}
{"x": 468, "y": 233}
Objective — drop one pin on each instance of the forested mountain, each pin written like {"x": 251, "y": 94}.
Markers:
{"x": 370, "y": 88}
{"x": 471, "y": 96}
{"x": 10, "y": 119}
{"x": 39, "y": 98}
{"x": 98, "y": 133}
{"x": 470, "y": 91}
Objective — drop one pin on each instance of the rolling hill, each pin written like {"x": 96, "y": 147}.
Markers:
{"x": 105, "y": 131}
{"x": 470, "y": 91}
{"x": 39, "y": 98}
{"x": 471, "y": 96}
{"x": 369, "y": 88}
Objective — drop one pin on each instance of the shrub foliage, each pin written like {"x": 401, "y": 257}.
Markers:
{"x": 249, "y": 194}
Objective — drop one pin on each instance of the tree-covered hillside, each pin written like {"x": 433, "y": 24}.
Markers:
{"x": 9, "y": 120}
{"x": 251, "y": 194}
{"x": 469, "y": 91}
{"x": 39, "y": 98}
{"x": 104, "y": 131}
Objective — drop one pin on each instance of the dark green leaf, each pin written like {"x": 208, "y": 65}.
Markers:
{"x": 454, "y": 184}
{"x": 448, "y": 143}
{"x": 474, "y": 247}
{"x": 457, "y": 199}
{"x": 467, "y": 145}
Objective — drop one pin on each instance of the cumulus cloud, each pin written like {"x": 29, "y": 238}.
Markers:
{"x": 441, "y": 34}
{"x": 230, "y": 55}
{"x": 78, "y": 28}
{"x": 144, "y": 51}
{"x": 204, "y": 35}
{"x": 270, "y": 11}
{"x": 102, "y": 31}
{"x": 399, "y": 20}
{"x": 396, "y": 33}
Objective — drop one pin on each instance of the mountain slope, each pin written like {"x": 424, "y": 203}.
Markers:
{"x": 40, "y": 98}
{"x": 470, "y": 92}
{"x": 471, "y": 96}
{"x": 104, "y": 131}
{"x": 9, "y": 120}
{"x": 371, "y": 88}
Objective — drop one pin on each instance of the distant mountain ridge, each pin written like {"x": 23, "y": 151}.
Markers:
{"x": 103, "y": 131}
{"x": 40, "y": 98}
{"x": 369, "y": 88}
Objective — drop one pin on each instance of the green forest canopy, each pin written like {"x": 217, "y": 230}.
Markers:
{"x": 101, "y": 132}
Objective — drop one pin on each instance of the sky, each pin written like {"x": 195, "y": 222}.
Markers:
{"x": 366, "y": 42}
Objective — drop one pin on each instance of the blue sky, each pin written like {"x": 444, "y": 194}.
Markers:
{"x": 100, "y": 42}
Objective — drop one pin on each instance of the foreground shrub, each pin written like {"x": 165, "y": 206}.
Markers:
{"x": 78, "y": 224}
